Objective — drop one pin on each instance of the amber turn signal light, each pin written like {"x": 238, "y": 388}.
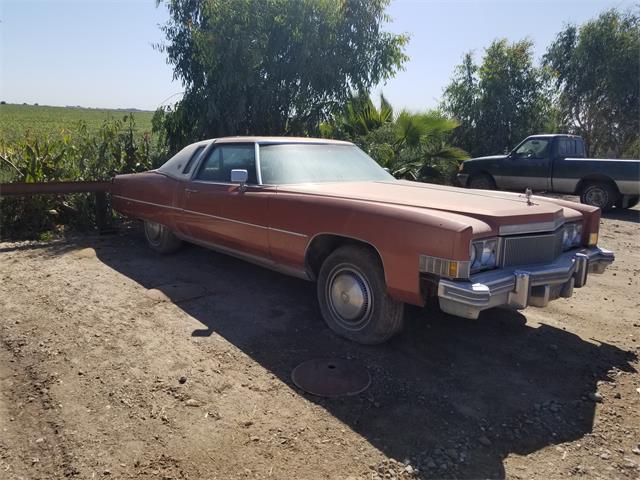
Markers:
{"x": 453, "y": 269}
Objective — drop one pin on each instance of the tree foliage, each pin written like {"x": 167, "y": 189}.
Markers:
{"x": 410, "y": 145}
{"x": 596, "y": 68}
{"x": 271, "y": 66}
{"x": 500, "y": 101}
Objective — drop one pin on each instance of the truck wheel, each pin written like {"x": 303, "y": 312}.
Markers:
{"x": 482, "y": 182}
{"x": 160, "y": 237}
{"x": 353, "y": 298}
{"x": 599, "y": 194}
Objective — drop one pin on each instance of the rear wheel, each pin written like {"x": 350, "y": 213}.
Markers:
{"x": 353, "y": 297}
{"x": 160, "y": 238}
{"x": 599, "y": 194}
{"x": 482, "y": 182}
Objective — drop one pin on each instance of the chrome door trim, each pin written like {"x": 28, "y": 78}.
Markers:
{"x": 256, "y": 156}
{"x": 129, "y": 199}
{"x": 216, "y": 217}
{"x": 226, "y": 184}
{"x": 264, "y": 227}
{"x": 289, "y": 232}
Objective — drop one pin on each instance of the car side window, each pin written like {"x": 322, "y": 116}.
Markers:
{"x": 224, "y": 158}
{"x": 566, "y": 147}
{"x": 210, "y": 169}
{"x": 195, "y": 155}
{"x": 534, "y": 148}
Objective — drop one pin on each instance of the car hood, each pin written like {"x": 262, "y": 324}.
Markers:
{"x": 494, "y": 208}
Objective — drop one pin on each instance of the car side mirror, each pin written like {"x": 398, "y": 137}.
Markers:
{"x": 240, "y": 176}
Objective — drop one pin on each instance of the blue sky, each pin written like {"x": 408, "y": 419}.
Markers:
{"x": 98, "y": 53}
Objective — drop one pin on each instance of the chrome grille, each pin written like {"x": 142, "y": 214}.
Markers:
{"x": 531, "y": 249}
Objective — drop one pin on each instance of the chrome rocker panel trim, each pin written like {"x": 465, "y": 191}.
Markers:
{"x": 524, "y": 285}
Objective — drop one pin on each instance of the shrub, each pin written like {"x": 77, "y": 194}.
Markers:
{"x": 81, "y": 155}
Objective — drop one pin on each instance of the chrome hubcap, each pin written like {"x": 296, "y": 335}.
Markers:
{"x": 153, "y": 231}
{"x": 596, "y": 197}
{"x": 349, "y": 296}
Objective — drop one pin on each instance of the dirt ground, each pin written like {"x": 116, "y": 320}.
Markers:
{"x": 96, "y": 333}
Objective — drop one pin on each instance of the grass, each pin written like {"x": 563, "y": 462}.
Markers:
{"x": 20, "y": 121}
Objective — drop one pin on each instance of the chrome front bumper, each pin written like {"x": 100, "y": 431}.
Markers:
{"x": 521, "y": 286}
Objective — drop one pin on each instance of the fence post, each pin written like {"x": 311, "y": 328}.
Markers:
{"x": 103, "y": 213}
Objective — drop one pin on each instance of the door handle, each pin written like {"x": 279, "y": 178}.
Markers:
{"x": 190, "y": 190}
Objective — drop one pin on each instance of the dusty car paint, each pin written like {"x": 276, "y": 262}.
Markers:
{"x": 276, "y": 225}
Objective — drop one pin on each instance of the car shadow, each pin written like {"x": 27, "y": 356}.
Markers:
{"x": 454, "y": 397}
{"x": 629, "y": 215}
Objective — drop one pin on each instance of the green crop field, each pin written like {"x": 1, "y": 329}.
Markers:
{"x": 18, "y": 121}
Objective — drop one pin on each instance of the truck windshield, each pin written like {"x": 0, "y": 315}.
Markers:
{"x": 317, "y": 163}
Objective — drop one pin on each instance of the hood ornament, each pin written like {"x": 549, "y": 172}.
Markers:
{"x": 528, "y": 193}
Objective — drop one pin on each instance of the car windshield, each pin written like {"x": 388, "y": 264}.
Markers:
{"x": 317, "y": 163}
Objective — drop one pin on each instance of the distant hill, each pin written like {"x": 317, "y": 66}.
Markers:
{"x": 16, "y": 121}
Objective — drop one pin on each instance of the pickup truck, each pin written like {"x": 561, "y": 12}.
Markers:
{"x": 557, "y": 163}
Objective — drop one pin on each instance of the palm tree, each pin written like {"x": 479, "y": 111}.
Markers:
{"x": 421, "y": 145}
{"x": 410, "y": 145}
{"x": 358, "y": 118}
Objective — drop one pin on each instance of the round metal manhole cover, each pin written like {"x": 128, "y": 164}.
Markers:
{"x": 331, "y": 377}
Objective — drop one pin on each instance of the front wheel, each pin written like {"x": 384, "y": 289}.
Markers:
{"x": 482, "y": 182}
{"x": 160, "y": 238}
{"x": 353, "y": 297}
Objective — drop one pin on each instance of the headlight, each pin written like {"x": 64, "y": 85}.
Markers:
{"x": 484, "y": 254}
{"x": 571, "y": 236}
{"x": 472, "y": 254}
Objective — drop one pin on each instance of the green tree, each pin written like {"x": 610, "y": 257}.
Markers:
{"x": 501, "y": 101}
{"x": 462, "y": 101}
{"x": 271, "y": 66}
{"x": 596, "y": 68}
{"x": 410, "y": 145}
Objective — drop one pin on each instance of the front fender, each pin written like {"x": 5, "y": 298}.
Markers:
{"x": 399, "y": 234}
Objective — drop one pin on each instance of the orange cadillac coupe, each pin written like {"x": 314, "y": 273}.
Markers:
{"x": 324, "y": 211}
